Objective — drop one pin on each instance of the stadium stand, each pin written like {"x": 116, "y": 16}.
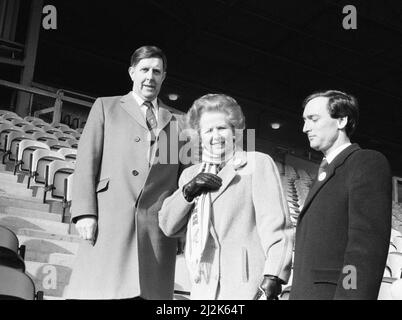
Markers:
{"x": 38, "y": 212}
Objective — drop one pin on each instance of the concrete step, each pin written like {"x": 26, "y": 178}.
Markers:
{"x": 40, "y": 249}
{"x": 62, "y": 259}
{"x": 16, "y": 223}
{"x": 19, "y": 178}
{"x": 16, "y": 191}
{"x": 20, "y": 190}
{"x": 8, "y": 176}
{"x": 7, "y": 167}
{"x": 48, "y": 235}
{"x": 30, "y": 213}
{"x": 30, "y": 203}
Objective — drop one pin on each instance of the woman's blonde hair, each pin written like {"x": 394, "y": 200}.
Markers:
{"x": 218, "y": 103}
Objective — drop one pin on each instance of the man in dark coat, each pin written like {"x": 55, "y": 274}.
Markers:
{"x": 343, "y": 230}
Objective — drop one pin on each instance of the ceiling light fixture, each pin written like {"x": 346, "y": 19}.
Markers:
{"x": 275, "y": 125}
{"x": 173, "y": 96}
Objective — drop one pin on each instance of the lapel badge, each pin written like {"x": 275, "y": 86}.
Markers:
{"x": 322, "y": 176}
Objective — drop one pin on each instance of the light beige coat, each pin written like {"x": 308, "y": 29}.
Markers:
{"x": 113, "y": 182}
{"x": 250, "y": 231}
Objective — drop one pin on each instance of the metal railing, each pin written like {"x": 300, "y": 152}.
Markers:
{"x": 59, "y": 97}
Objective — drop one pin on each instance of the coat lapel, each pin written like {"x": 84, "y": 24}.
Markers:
{"x": 229, "y": 172}
{"x": 131, "y": 106}
{"x": 337, "y": 162}
{"x": 164, "y": 116}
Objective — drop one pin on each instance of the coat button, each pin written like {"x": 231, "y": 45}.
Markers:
{"x": 137, "y": 139}
{"x": 135, "y": 173}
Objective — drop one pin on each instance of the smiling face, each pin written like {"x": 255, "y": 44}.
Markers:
{"x": 216, "y": 133}
{"x": 147, "y": 76}
{"x": 324, "y": 132}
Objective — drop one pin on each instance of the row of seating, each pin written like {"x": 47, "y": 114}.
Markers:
{"x": 15, "y": 284}
{"x": 45, "y": 153}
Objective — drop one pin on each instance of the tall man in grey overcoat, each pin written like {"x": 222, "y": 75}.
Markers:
{"x": 343, "y": 230}
{"x": 127, "y": 164}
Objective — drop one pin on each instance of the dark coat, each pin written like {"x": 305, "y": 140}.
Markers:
{"x": 345, "y": 221}
{"x": 113, "y": 182}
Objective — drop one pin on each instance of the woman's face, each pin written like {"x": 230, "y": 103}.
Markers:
{"x": 216, "y": 133}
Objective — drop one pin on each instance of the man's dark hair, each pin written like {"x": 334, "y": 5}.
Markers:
{"x": 340, "y": 104}
{"x": 146, "y": 52}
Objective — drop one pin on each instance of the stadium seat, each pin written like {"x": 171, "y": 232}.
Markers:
{"x": 392, "y": 248}
{"x": 39, "y": 123}
{"x": 40, "y": 136}
{"x": 385, "y": 289}
{"x": 51, "y": 130}
{"x": 13, "y": 140}
{"x": 61, "y": 126}
{"x": 397, "y": 241}
{"x": 69, "y": 153}
{"x": 68, "y": 190}
{"x": 3, "y": 112}
{"x": 41, "y": 158}
{"x": 63, "y": 136}
{"x": 68, "y": 131}
{"x": 395, "y": 233}
{"x": 15, "y": 285}
{"x": 55, "y": 145}
{"x": 3, "y": 121}
{"x": 30, "y": 128}
{"x": 30, "y": 118}
{"x": 56, "y": 172}
{"x": 25, "y": 150}
{"x": 76, "y": 135}
{"x": 387, "y": 272}
{"x": 19, "y": 122}
{"x": 5, "y": 129}
{"x": 394, "y": 262}
{"x": 11, "y": 116}
{"x": 73, "y": 143}
{"x": 396, "y": 290}
{"x": 11, "y": 254}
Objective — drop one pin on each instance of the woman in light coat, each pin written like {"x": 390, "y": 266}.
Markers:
{"x": 232, "y": 209}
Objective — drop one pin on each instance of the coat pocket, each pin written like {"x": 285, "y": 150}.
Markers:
{"x": 102, "y": 185}
{"x": 326, "y": 276}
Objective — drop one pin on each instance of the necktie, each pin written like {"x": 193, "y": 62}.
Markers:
{"x": 151, "y": 124}
{"x": 150, "y": 116}
{"x": 323, "y": 166}
{"x": 151, "y": 120}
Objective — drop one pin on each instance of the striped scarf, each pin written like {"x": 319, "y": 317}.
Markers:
{"x": 199, "y": 223}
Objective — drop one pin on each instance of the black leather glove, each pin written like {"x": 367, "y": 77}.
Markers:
{"x": 202, "y": 182}
{"x": 272, "y": 287}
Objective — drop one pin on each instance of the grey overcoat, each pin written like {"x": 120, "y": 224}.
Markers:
{"x": 113, "y": 182}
